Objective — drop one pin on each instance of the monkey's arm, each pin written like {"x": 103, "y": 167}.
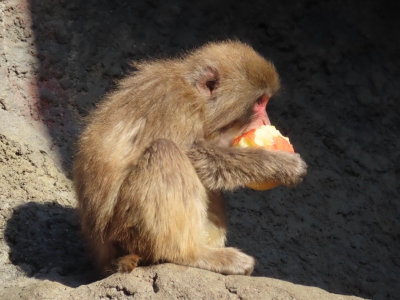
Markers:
{"x": 233, "y": 167}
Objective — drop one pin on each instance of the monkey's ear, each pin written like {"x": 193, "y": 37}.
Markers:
{"x": 208, "y": 81}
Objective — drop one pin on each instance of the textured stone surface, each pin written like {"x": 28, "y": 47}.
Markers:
{"x": 336, "y": 233}
{"x": 169, "y": 282}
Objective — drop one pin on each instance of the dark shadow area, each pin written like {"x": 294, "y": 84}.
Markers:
{"x": 46, "y": 243}
{"x": 342, "y": 250}
{"x": 339, "y": 63}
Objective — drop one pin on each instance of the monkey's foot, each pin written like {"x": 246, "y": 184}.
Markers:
{"x": 228, "y": 261}
{"x": 127, "y": 263}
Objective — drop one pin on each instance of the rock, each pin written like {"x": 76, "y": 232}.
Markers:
{"x": 170, "y": 281}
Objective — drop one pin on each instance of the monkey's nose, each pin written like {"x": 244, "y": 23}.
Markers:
{"x": 266, "y": 121}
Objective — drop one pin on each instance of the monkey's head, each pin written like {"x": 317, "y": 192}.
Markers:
{"x": 236, "y": 84}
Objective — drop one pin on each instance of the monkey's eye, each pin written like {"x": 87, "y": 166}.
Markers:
{"x": 211, "y": 84}
{"x": 259, "y": 101}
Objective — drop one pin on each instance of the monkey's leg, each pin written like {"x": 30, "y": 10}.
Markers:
{"x": 167, "y": 209}
{"x": 216, "y": 220}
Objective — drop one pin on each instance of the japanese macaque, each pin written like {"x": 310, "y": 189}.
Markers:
{"x": 156, "y": 156}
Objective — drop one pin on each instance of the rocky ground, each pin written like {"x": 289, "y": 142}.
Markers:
{"x": 336, "y": 233}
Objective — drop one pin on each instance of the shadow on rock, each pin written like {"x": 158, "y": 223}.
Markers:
{"x": 45, "y": 243}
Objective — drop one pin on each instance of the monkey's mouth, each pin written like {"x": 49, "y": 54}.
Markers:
{"x": 255, "y": 124}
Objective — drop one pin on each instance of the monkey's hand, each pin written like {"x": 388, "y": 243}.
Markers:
{"x": 268, "y": 137}
{"x": 292, "y": 168}
{"x": 221, "y": 168}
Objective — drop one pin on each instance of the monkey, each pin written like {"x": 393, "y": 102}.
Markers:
{"x": 155, "y": 158}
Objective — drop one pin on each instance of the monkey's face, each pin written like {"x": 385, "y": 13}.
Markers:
{"x": 236, "y": 84}
{"x": 251, "y": 118}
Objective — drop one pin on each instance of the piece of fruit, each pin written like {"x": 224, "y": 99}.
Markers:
{"x": 266, "y": 136}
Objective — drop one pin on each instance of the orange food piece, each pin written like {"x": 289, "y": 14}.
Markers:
{"x": 282, "y": 144}
{"x": 269, "y": 137}
{"x": 249, "y": 136}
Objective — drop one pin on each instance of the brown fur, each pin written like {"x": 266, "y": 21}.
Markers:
{"x": 156, "y": 155}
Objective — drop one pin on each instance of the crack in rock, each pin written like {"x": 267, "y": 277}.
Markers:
{"x": 156, "y": 289}
{"x": 233, "y": 291}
